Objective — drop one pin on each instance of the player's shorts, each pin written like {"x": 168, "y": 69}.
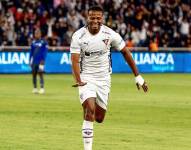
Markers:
{"x": 98, "y": 88}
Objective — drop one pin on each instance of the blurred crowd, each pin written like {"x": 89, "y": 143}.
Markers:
{"x": 142, "y": 23}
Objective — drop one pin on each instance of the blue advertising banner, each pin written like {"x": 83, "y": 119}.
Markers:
{"x": 59, "y": 62}
{"x": 148, "y": 62}
{"x": 18, "y": 62}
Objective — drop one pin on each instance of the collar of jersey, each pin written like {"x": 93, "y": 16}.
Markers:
{"x": 96, "y": 33}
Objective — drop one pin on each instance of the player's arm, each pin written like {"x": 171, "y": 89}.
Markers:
{"x": 76, "y": 69}
{"x": 31, "y": 54}
{"x": 75, "y": 58}
{"x": 127, "y": 55}
{"x": 138, "y": 78}
{"x": 44, "y": 53}
{"x": 119, "y": 44}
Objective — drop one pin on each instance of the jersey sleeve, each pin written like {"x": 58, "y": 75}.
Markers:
{"x": 117, "y": 41}
{"x": 75, "y": 46}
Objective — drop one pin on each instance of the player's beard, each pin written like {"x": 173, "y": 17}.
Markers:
{"x": 94, "y": 28}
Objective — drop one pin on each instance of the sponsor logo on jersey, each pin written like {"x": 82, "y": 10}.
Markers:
{"x": 85, "y": 43}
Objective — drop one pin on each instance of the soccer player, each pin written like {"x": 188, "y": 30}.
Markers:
{"x": 38, "y": 51}
{"x": 91, "y": 65}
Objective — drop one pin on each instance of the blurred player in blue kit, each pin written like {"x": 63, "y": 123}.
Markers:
{"x": 38, "y": 51}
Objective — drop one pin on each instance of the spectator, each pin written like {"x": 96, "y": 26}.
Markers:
{"x": 129, "y": 43}
{"x": 10, "y": 33}
{"x": 19, "y": 16}
{"x": 68, "y": 35}
{"x": 142, "y": 33}
{"x": 135, "y": 36}
{"x": 170, "y": 20}
{"x": 153, "y": 46}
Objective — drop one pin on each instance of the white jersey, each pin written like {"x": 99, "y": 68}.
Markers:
{"x": 94, "y": 50}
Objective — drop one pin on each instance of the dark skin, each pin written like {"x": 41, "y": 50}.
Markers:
{"x": 92, "y": 111}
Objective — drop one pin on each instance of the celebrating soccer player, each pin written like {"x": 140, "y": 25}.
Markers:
{"x": 37, "y": 60}
{"x": 91, "y": 64}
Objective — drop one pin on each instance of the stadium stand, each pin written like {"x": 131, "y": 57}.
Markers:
{"x": 166, "y": 22}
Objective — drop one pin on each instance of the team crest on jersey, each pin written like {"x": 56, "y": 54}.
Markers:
{"x": 106, "y": 41}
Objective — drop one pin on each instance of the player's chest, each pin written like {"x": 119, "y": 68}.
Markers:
{"x": 95, "y": 43}
{"x": 38, "y": 45}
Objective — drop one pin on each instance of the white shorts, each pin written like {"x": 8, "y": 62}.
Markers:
{"x": 98, "y": 88}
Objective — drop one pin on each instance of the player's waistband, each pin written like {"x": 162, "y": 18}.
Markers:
{"x": 98, "y": 77}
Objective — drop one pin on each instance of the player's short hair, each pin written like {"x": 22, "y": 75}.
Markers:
{"x": 95, "y": 8}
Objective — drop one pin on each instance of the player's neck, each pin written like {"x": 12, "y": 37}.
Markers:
{"x": 37, "y": 39}
{"x": 93, "y": 32}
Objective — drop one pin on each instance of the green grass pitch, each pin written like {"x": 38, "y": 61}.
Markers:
{"x": 158, "y": 120}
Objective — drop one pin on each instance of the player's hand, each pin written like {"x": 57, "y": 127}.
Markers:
{"x": 41, "y": 67}
{"x": 144, "y": 86}
{"x": 42, "y": 62}
{"x": 79, "y": 84}
{"x": 141, "y": 83}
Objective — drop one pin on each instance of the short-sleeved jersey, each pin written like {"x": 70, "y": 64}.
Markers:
{"x": 38, "y": 51}
{"x": 94, "y": 50}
